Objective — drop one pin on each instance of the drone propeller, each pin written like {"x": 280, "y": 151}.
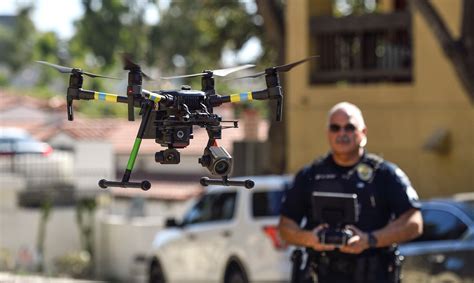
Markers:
{"x": 219, "y": 72}
{"x": 68, "y": 70}
{"x": 128, "y": 64}
{"x": 282, "y": 68}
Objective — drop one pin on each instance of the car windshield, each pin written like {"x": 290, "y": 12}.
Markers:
{"x": 469, "y": 204}
{"x": 212, "y": 207}
{"x": 18, "y": 141}
{"x": 267, "y": 203}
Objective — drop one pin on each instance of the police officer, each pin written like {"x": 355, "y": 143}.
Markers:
{"x": 389, "y": 208}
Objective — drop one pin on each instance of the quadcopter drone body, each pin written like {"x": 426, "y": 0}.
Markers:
{"x": 168, "y": 116}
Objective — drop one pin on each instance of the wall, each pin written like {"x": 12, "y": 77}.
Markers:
{"x": 93, "y": 161}
{"x": 118, "y": 236}
{"x": 121, "y": 238}
{"x": 19, "y": 227}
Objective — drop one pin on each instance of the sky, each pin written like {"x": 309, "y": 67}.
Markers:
{"x": 49, "y": 15}
{"x": 59, "y": 16}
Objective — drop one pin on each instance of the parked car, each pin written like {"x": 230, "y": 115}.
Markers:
{"x": 17, "y": 141}
{"x": 35, "y": 161}
{"x": 229, "y": 235}
{"x": 445, "y": 251}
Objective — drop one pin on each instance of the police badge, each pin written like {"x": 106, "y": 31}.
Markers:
{"x": 364, "y": 171}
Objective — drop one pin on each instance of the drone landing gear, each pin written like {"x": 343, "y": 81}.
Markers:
{"x": 144, "y": 185}
{"x": 248, "y": 184}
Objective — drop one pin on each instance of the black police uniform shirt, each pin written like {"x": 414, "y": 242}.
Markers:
{"x": 383, "y": 190}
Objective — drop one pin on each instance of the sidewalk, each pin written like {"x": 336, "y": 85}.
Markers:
{"x": 12, "y": 278}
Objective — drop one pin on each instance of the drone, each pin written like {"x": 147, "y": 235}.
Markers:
{"x": 168, "y": 116}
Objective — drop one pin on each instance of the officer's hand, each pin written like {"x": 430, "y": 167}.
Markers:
{"x": 316, "y": 244}
{"x": 357, "y": 243}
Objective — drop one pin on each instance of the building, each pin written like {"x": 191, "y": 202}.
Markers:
{"x": 390, "y": 65}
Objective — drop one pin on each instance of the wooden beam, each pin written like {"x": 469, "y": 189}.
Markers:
{"x": 453, "y": 49}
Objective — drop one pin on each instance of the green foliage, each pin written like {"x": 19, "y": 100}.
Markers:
{"x": 108, "y": 27}
{"x": 41, "y": 92}
{"x": 74, "y": 264}
{"x": 7, "y": 260}
{"x": 47, "y": 49}
{"x": 47, "y": 46}
{"x": 3, "y": 80}
{"x": 46, "y": 207}
{"x": 189, "y": 37}
{"x": 192, "y": 35}
{"x": 17, "y": 43}
{"x": 85, "y": 212}
{"x": 101, "y": 109}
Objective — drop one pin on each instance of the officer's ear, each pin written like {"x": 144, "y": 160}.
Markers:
{"x": 363, "y": 141}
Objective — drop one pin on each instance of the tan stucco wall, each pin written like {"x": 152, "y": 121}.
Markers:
{"x": 400, "y": 117}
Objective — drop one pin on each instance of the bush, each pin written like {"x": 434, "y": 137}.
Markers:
{"x": 74, "y": 264}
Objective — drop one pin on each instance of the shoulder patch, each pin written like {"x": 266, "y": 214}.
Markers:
{"x": 364, "y": 172}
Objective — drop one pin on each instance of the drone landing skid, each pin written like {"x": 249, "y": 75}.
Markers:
{"x": 144, "y": 185}
{"x": 248, "y": 184}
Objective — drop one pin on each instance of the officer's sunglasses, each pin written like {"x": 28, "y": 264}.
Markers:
{"x": 349, "y": 128}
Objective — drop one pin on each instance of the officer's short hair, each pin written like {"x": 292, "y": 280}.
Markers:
{"x": 352, "y": 110}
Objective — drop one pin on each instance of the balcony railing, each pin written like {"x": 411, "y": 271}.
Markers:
{"x": 362, "y": 49}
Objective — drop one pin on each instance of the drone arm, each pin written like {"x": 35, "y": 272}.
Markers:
{"x": 158, "y": 98}
{"x": 272, "y": 92}
{"x": 240, "y": 97}
{"x": 83, "y": 94}
{"x": 74, "y": 92}
{"x": 103, "y": 96}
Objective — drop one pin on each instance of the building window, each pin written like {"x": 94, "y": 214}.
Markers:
{"x": 364, "y": 48}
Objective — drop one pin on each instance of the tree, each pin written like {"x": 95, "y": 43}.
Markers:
{"x": 460, "y": 51}
{"x": 191, "y": 35}
{"x": 46, "y": 207}
{"x": 109, "y": 27}
{"x": 85, "y": 212}
{"x": 47, "y": 48}
{"x": 17, "y": 43}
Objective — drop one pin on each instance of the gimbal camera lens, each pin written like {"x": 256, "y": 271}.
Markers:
{"x": 217, "y": 160}
{"x": 180, "y": 134}
{"x": 221, "y": 167}
{"x": 168, "y": 156}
